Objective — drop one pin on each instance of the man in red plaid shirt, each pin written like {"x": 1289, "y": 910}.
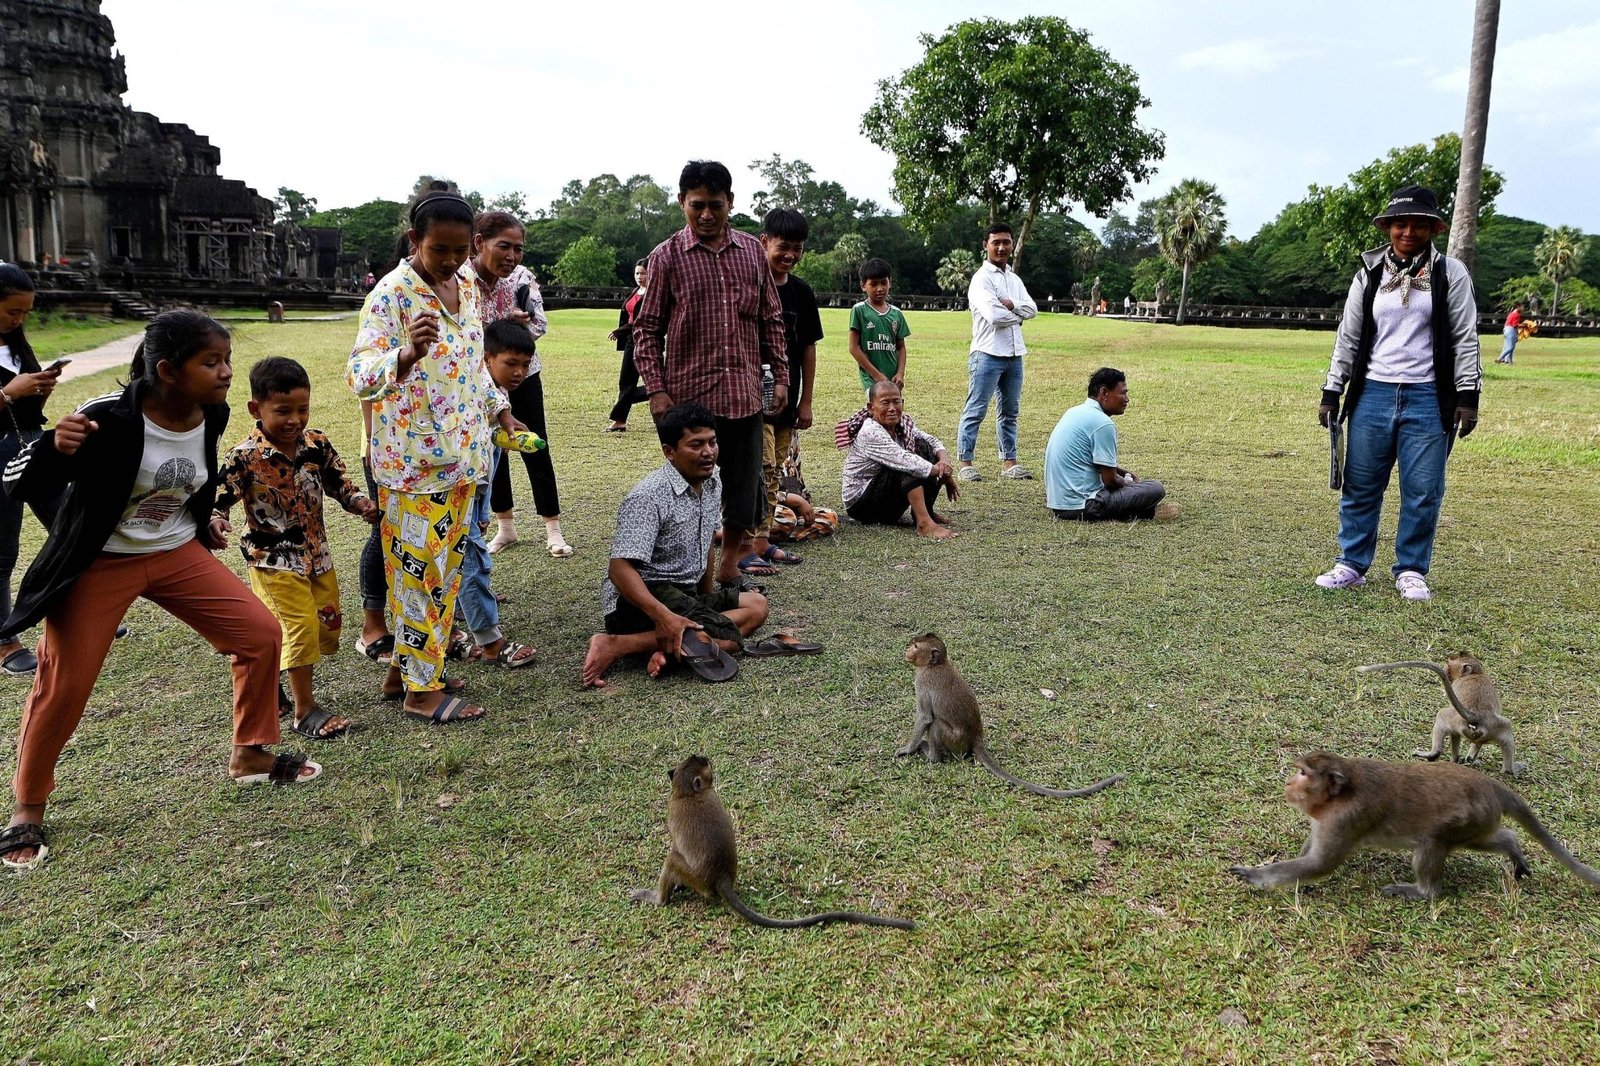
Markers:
{"x": 709, "y": 320}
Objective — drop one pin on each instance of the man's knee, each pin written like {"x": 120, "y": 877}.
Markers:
{"x": 756, "y": 604}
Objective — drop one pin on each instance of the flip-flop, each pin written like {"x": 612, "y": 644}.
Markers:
{"x": 775, "y": 645}
{"x": 311, "y": 725}
{"x": 380, "y": 650}
{"x": 447, "y": 713}
{"x": 285, "y": 771}
{"x": 754, "y": 565}
{"x": 706, "y": 658}
{"x": 20, "y": 663}
{"x": 452, "y": 685}
{"x": 506, "y": 657}
{"x": 775, "y": 554}
{"x": 23, "y": 835}
{"x": 744, "y": 584}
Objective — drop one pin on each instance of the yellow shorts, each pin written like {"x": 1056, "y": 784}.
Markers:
{"x": 308, "y": 610}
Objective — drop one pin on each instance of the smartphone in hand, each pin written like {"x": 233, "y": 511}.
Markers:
{"x": 57, "y": 365}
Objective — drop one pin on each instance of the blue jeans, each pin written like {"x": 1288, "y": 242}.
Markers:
{"x": 1510, "y": 345}
{"x": 1393, "y": 423}
{"x": 985, "y": 373}
{"x": 476, "y": 598}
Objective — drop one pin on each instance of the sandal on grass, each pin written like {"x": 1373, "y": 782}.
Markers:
{"x": 559, "y": 549}
{"x": 285, "y": 771}
{"x": 314, "y": 725}
{"x": 754, "y": 564}
{"x": 19, "y": 837}
{"x": 380, "y": 650}
{"x": 775, "y": 554}
{"x": 20, "y": 663}
{"x": 461, "y": 647}
{"x": 447, "y": 713}
{"x": 451, "y": 685}
{"x": 511, "y": 656}
{"x": 780, "y": 644}
{"x": 706, "y": 658}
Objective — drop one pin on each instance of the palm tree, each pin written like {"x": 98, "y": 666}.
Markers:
{"x": 1464, "y": 228}
{"x": 1189, "y": 227}
{"x": 956, "y": 269}
{"x": 1558, "y": 257}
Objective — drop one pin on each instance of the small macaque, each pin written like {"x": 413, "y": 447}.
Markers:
{"x": 1473, "y": 714}
{"x": 948, "y": 721}
{"x": 1430, "y": 810}
{"x": 703, "y": 857}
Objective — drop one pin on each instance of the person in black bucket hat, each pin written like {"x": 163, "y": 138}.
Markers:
{"x": 1406, "y": 366}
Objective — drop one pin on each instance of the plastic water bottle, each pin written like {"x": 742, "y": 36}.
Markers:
{"x": 769, "y": 387}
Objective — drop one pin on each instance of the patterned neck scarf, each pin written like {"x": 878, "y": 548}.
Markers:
{"x": 1407, "y": 274}
{"x": 844, "y": 434}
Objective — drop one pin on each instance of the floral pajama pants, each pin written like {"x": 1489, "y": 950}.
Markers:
{"x": 424, "y": 537}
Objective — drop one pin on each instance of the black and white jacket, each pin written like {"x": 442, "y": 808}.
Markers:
{"x": 98, "y": 479}
{"x": 1457, "y": 368}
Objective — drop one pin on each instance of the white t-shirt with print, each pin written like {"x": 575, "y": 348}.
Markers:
{"x": 172, "y": 471}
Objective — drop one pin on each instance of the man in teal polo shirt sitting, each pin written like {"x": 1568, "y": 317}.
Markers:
{"x": 1082, "y": 478}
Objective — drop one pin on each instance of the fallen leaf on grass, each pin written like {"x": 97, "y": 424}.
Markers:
{"x": 448, "y": 799}
{"x": 1048, "y": 693}
{"x": 1233, "y": 1016}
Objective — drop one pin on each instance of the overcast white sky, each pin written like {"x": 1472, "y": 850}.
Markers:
{"x": 349, "y": 100}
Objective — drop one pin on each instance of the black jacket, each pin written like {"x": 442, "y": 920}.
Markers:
{"x": 28, "y": 412}
{"x": 98, "y": 479}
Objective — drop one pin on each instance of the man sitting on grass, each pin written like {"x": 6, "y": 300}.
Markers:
{"x": 1082, "y": 478}
{"x": 661, "y": 580}
{"x": 893, "y": 465}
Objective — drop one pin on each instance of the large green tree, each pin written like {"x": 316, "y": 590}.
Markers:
{"x": 1190, "y": 224}
{"x": 587, "y": 261}
{"x": 956, "y": 269}
{"x": 1024, "y": 116}
{"x": 1341, "y": 217}
{"x": 830, "y": 211}
{"x": 292, "y": 205}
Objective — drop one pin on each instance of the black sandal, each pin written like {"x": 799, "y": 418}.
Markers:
{"x": 19, "y": 837}
{"x": 285, "y": 771}
{"x": 311, "y": 725}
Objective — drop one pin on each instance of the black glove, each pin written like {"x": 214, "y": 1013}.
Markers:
{"x": 1466, "y": 421}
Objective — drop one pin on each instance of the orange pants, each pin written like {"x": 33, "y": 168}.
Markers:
{"x": 190, "y": 584}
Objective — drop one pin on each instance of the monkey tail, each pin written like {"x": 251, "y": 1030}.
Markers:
{"x": 1519, "y": 810}
{"x": 755, "y": 917}
{"x": 1472, "y": 717}
{"x": 981, "y": 753}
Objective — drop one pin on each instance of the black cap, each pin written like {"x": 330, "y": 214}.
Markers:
{"x": 1413, "y": 201}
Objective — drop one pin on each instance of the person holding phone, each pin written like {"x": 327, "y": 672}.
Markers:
{"x": 507, "y": 289}
{"x": 24, "y": 388}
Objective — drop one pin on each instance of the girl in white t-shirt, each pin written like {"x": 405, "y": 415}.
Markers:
{"x": 141, "y": 466}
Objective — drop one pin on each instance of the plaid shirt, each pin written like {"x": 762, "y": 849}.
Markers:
{"x": 282, "y": 497}
{"x": 708, "y": 321}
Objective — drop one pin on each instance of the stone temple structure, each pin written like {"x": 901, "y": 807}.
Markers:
{"x": 87, "y": 181}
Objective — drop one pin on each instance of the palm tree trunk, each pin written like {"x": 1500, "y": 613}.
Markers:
{"x": 1183, "y": 295}
{"x": 1555, "y": 301}
{"x": 1464, "y": 227}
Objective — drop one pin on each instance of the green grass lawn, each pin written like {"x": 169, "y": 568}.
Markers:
{"x": 459, "y": 895}
{"x": 56, "y": 335}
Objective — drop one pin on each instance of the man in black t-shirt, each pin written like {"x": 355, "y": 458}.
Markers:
{"x": 783, "y": 237}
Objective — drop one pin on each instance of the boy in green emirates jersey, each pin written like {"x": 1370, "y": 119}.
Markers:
{"x": 878, "y": 330}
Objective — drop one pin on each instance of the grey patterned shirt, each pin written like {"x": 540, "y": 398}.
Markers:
{"x": 666, "y": 530}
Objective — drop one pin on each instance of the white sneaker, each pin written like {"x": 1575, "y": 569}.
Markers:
{"x": 1341, "y": 577}
{"x": 1016, "y": 473}
{"x": 1412, "y": 586}
{"x": 969, "y": 473}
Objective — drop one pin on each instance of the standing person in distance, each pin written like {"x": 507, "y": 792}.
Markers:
{"x": 1406, "y": 363}
{"x": 783, "y": 238}
{"x": 508, "y": 290}
{"x": 629, "y": 391}
{"x": 24, "y": 389}
{"x": 709, "y": 321}
{"x": 1513, "y": 320}
{"x": 142, "y": 467}
{"x": 1000, "y": 304}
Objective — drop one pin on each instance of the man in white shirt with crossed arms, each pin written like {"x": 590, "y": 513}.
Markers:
{"x": 1000, "y": 304}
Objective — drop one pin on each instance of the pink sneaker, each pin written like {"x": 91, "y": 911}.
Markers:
{"x": 1341, "y": 577}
